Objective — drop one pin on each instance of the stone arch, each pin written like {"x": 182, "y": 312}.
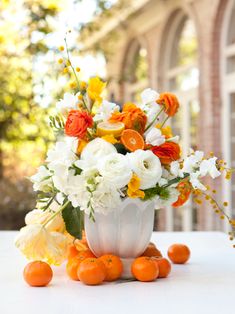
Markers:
{"x": 127, "y": 77}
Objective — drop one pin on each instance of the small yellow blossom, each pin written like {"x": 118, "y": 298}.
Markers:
{"x": 61, "y": 48}
{"x": 78, "y": 69}
{"x": 133, "y": 190}
{"x": 83, "y": 85}
{"x": 72, "y": 84}
{"x": 95, "y": 88}
{"x": 110, "y": 138}
{"x": 65, "y": 70}
{"x": 167, "y": 131}
{"x": 228, "y": 175}
{"x": 60, "y": 61}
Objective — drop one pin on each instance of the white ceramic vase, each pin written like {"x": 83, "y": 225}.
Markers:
{"x": 125, "y": 231}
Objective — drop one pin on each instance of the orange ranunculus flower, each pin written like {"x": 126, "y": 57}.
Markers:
{"x": 167, "y": 152}
{"x": 170, "y": 103}
{"x": 185, "y": 189}
{"x": 132, "y": 116}
{"x": 77, "y": 123}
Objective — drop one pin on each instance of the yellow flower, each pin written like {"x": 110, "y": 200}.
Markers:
{"x": 165, "y": 131}
{"x": 133, "y": 190}
{"x": 38, "y": 216}
{"x": 37, "y": 243}
{"x": 110, "y": 138}
{"x": 81, "y": 145}
{"x": 95, "y": 88}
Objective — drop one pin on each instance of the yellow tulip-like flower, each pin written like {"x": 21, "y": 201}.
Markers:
{"x": 37, "y": 243}
{"x": 133, "y": 190}
{"x": 38, "y": 216}
{"x": 95, "y": 88}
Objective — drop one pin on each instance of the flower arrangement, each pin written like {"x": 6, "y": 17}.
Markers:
{"x": 105, "y": 154}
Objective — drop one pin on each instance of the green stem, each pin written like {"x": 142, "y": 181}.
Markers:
{"x": 164, "y": 122}
{"x": 158, "y": 114}
{"x": 56, "y": 213}
{"x": 176, "y": 180}
{"x": 50, "y": 201}
{"x": 74, "y": 72}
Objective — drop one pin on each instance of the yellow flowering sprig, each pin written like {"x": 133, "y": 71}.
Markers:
{"x": 80, "y": 88}
{"x": 218, "y": 209}
{"x": 70, "y": 63}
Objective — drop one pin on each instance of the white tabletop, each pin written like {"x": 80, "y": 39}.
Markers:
{"x": 205, "y": 285}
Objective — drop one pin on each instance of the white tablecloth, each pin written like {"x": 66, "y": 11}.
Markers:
{"x": 205, "y": 285}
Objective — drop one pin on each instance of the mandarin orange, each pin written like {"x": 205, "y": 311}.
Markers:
{"x": 38, "y": 274}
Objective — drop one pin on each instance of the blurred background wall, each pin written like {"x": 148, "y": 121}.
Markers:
{"x": 183, "y": 46}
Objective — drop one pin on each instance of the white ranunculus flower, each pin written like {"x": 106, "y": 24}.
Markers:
{"x": 209, "y": 167}
{"x": 154, "y": 137}
{"x": 115, "y": 169}
{"x": 68, "y": 103}
{"x": 147, "y": 166}
{"x": 96, "y": 150}
{"x": 148, "y": 96}
{"x": 42, "y": 179}
{"x": 38, "y": 216}
{"x": 105, "y": 111}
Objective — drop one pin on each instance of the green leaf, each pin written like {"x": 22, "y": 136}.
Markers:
{"x": 121, "y": 148}
{"x": 152, "y": 192}
{"x": 73, "y": 219}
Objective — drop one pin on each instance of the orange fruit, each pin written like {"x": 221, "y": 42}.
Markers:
{"x": 113, "y": 265}
{"x": 144, "y": 269}
{"x": 132, "y": 140}
{"x": 72, "y": 267}
{"x": 178, "y": 253}
{"x": 91, "y": 271}
{"x": 164, "y": 266}
{"x": 151, "y": 250}
{"x": 38, "y": 274}
{"x": 72, "y": 251}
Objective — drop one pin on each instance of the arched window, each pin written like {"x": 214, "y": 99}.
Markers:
{"x": 180, "y": 75}
{"x": 228, "y": 90}
{"x": 182, "y": 78}
{"x": 135, "y": 71}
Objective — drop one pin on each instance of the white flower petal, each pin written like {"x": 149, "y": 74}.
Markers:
{"x": 147, "y": 166}
{"x": 154, "y": 137}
